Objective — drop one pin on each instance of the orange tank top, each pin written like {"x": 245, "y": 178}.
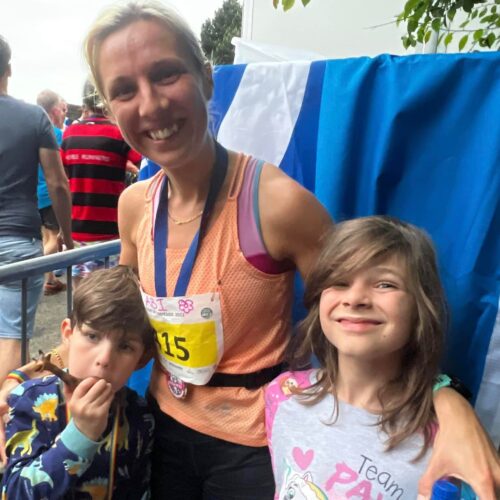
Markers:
{"x": 256, "y": 318}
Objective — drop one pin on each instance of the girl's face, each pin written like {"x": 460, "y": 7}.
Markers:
{"x": 154, "y": 93}
{"x": 369, "y": 314}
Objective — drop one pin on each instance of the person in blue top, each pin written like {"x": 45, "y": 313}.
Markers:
{"x": 56, "y": 109}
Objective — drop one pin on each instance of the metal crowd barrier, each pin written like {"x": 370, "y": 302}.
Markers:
{"x": 21, "y": 271}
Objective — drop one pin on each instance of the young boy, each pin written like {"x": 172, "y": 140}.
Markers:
{"x": 94, "y": 441}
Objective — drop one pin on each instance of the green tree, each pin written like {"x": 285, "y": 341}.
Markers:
{"x": 217, "y": 33}
{"x": 423, "y": 17}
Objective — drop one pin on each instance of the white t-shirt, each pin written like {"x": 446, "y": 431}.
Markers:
{"x": 314, "y": 459}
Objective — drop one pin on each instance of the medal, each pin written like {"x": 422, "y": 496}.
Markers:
{"x": 177, "y": 387}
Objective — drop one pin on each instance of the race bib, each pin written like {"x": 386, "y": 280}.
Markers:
{"x": 189, "y": 336}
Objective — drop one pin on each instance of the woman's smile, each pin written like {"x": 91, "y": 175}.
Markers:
{"x": 165, "y": 133}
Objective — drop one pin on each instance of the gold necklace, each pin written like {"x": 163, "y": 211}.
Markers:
{"x": 180, "y": 222}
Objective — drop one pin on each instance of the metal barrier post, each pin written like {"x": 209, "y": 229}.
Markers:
{"x": 69, "y": 291}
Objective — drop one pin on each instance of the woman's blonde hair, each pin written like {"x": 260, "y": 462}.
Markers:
{"x": 352, "y": 246}
{"x": 119, "y": 16}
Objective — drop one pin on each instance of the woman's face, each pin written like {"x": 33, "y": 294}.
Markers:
{"x": 154, "y": 93}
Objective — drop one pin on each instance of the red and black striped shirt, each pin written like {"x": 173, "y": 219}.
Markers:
{"x": 95, "y": 156}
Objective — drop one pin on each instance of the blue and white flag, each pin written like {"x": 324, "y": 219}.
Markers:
{"x": 416, "y": 137}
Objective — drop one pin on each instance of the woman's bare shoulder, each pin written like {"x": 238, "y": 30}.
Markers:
{"x": 284, "y": 202}
{"x": 136, "y": 190}
{"x": 131, "y": 205}
{"x": 293, "y": 221}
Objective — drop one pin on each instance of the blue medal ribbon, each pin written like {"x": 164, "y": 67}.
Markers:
{"x": 219, "y": 171}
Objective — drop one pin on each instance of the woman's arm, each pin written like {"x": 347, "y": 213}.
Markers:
{"x": 461, "y": 449}
{"x": 293, "y": 221}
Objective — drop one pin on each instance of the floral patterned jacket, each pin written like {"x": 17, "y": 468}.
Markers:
{"x": 49, "y": 458}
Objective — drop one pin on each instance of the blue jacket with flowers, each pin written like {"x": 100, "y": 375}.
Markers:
{"x": 49, "y": 458}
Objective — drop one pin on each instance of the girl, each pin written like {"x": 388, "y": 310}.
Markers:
{"x": 361, "y": 425}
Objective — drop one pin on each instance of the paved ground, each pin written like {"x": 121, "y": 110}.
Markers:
{"x": 51, "y": 311}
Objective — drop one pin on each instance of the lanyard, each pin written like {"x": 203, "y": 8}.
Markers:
{"x": 161, "y": 229}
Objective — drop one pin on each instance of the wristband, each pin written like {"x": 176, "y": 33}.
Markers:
{"x": 454, "y": 383}
{"x": 441, "y": 381}
{"x": 18, "y": 376}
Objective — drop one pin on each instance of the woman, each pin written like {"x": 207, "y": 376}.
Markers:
{"x": 215, "y": 237}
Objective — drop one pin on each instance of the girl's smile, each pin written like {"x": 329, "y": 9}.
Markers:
{"x": 355, "y": 324}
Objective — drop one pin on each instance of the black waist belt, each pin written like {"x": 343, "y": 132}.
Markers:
{"x": 247, "y": 380}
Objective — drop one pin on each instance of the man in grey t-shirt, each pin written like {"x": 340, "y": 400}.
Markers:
{"x": 26, "y": 139}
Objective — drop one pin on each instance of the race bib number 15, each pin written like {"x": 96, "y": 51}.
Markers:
{"x": 193, "y": 345}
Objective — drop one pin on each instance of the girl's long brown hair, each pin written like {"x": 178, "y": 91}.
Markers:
{"x": 352, "y": 246}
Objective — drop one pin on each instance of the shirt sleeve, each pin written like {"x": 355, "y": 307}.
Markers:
{"x": 278, "y": 391}
{"x": 46, "y": 135}
{"x": 42, "y": 465}
{"x": 134, "y": 156}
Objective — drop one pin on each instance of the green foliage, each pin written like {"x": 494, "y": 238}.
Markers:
{"x": 288, "y": 4}
{"x": 422, "y": 17}
{"x": 463, "y": 42}
{"x": 217, "y": 33}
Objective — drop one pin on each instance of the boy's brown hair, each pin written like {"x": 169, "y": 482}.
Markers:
{"x": 109, "y": 300}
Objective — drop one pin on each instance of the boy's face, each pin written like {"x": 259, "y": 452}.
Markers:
{"x": 112, "y": 356}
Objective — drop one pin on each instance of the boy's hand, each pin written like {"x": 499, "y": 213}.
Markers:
{"x": 89, "y": 406}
